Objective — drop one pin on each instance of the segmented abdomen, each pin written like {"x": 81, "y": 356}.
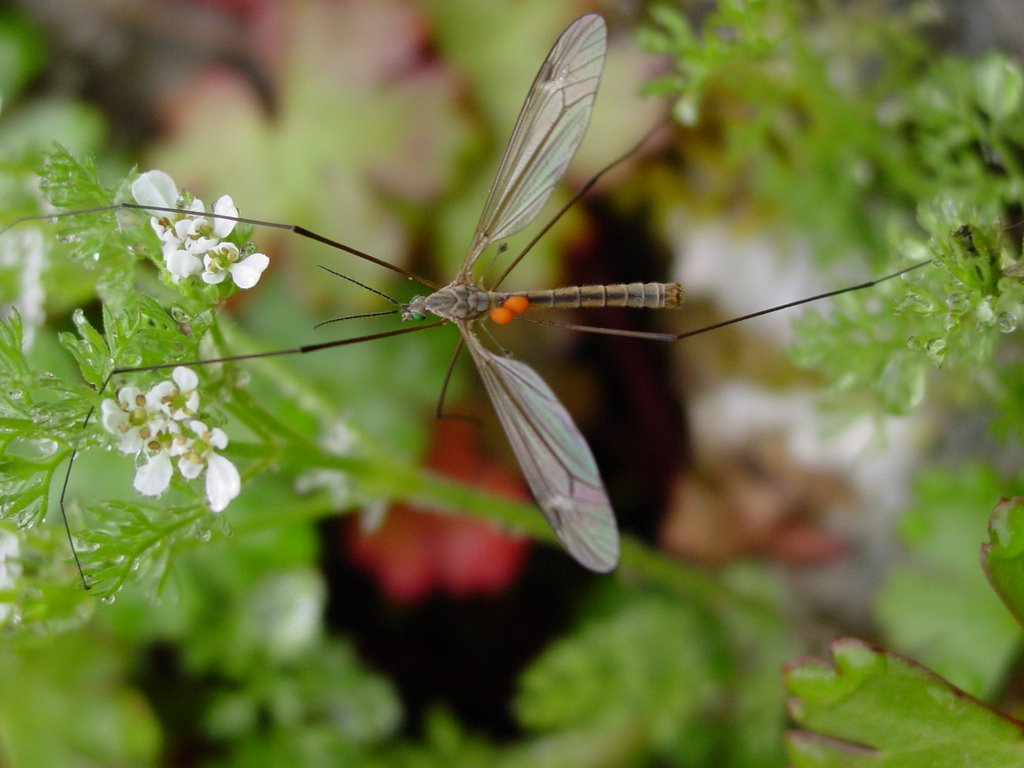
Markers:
{"x": 635, "y": 295}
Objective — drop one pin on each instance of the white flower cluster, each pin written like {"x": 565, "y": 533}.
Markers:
{"x": 194, "y": 244}
{"x": 158, "y": 426}
{"x": 10, "y": 571}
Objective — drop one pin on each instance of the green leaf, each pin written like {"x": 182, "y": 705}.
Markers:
{"x": 645, "y": 671}
{"x": 872, "y": 707}
{"x": 937, "y": 604}
{"x": 1003, "y": 556}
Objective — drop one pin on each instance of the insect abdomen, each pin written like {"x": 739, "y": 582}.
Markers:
{"x": 635, "y": 295}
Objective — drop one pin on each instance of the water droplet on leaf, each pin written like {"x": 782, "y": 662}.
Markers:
{"x": 1006, "y": 322}
{"x": 936, "y": 350}
{"x": 957, "y": 301}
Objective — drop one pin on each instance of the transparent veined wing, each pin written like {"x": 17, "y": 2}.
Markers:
{"x": 555, "y": 459}
{"x": 547, "y": 134}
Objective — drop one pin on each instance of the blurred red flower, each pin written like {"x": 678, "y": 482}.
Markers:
{"x": 416, "y": 553}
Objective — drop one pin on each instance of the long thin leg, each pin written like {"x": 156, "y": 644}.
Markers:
{"x": 797, "y": 303}
{"x": 439, "y": 408}
{"x": 298, "y": 230}
{"x": 649, "y": 335}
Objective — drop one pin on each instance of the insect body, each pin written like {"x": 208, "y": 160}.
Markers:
{"x": 465, "y": 301}
{"x": 555, "y": 459}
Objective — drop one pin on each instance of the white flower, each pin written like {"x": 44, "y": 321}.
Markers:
{"x": 178, "y": 398}
{"x": 130, "y": 418}
{"x": 222, "y": 261}
{"x": 149, "y": 425}
{"x": 153, "y": 477}
{"x": 222, "y": 481}
{"x": 25, "y": 253}
{"x": 10, "y": 569}
{"x": 342, "y": 440}
{"x": 193, "y": 244}
{"x": 182, "y": 264}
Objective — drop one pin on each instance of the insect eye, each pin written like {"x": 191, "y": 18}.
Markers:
{"x": 412, "y": 314}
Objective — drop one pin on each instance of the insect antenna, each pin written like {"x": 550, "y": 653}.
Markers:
{"x": 362, "y": 315}
{"x": 364, "y": 286}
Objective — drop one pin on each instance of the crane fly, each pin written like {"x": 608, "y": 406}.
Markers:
{"x": 556, "y": 461}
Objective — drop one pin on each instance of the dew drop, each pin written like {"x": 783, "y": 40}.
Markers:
{"x": 204, "y": 535}
{"x": 936, "y": 350}
{"x": 50, "y": 446}
{"x": 958, "y": 301}
{"x": 915, "y": 302}
{"x": 1006, "y": 322}
{"x": 15, "y": 394}
{"x": 66, "y": 239}
{"x": 108, "y": 599}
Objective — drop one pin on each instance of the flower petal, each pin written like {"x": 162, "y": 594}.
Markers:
{"x": 246, "y": 273}
{"x": 126, "y": 396}
{"x": 183, "y": 264}
{"x": 218, "y": 438}
{"x": 153, "y": 477}
{"x": 185, "y": 378}
{"x": 225, "y": 206}
{"x": 111, "y": 416}
{"x": 131, "y": 442}
{"x": 222, "y": 482}
{"x": 155, "y": 188}
{"x": 183, "y": 228}
{"x": 156, "y": 396}
{"x": 213, "y": 278}
{"x": 200, "y": 244}
{"x": 190, "y": 470}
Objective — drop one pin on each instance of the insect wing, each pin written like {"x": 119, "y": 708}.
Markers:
{"x": 546, "y": 136}
{"x": 555, "y": 459}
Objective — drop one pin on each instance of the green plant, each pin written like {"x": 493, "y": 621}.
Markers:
{"x": 891, "y": 154}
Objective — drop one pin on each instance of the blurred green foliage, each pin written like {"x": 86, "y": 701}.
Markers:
{"x": 846, "y": 124}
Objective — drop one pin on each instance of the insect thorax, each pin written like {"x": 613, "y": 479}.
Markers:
{"x": 457, "y": 301}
